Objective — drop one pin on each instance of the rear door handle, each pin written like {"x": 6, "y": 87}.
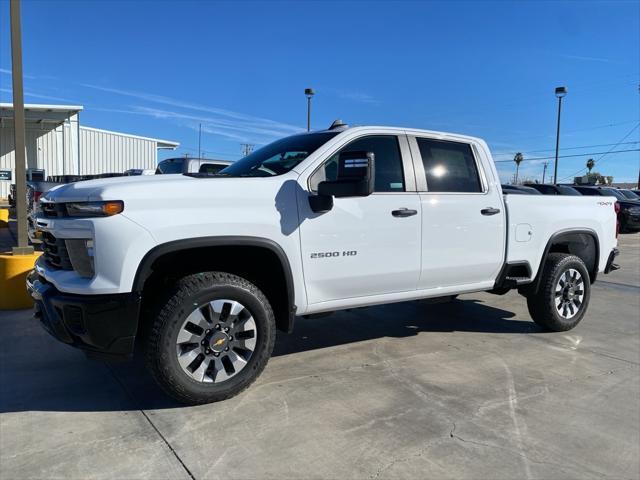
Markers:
{"x": 489, "y": 211}
{"x": 404, "y": 212}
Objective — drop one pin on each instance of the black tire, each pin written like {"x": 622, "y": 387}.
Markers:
{"x": 542, "y": 305}
{"x": 199, "y": 289}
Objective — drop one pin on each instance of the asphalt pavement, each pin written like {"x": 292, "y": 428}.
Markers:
{"x": 471, "y": 389}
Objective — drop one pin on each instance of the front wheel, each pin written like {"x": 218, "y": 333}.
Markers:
{"x": 563, "y": 296}
{"x": 212, "y": 338}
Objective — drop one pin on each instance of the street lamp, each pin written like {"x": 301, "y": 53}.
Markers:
{"x": 560, "y": 92}
{"x": 518, "y": 158}
{"x": 309, "y": 92}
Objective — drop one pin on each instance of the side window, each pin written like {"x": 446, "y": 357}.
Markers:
{"x": 211, "y": 168}
{"x": 388, "y": 163}
{"x": 449, "y": 166}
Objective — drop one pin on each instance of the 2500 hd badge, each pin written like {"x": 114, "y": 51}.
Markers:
{"x": 346, "y": 253}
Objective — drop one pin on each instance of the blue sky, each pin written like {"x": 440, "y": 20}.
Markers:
{"x": 488, "y": 69}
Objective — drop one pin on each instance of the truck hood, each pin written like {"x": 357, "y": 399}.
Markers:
{"x": 171, "y": 191}
{"x": 90, "y": 190}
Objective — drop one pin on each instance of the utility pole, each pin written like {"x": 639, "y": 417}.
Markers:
{"x": 560, "y": 92}
{"x": 247, "y": 148}
{"x": 544, "y": 171}
{"x": 200, "y": 142}
{"x": 23, "y": 247}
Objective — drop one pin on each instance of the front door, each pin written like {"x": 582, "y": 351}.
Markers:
{"x": 365, "y": 245}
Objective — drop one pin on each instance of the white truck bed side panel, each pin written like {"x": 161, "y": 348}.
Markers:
{"x": 534, "y": 219}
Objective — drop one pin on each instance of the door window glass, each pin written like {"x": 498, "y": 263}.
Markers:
{"x": 389, "y": 174}
{"x": 449, "y": 166}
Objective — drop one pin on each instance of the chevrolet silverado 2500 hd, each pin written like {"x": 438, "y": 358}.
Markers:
{"x": 203, "y": 269}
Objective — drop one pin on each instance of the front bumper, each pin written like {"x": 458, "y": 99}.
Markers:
{"x": 102, "y": 325}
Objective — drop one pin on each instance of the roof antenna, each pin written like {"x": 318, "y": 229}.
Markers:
{"x": 338, "y": 125}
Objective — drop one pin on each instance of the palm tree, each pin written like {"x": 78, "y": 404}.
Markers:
{"x": 590, "y": 164}
{"x": 518, "y": 158}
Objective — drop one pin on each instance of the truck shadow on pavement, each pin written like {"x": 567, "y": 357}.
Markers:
{"x": 40, "y": 374}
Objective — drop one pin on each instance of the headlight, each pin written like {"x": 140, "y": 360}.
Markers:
{"x": 94, "y": 209}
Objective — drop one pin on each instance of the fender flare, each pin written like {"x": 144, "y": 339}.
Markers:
{"x": 144, "y": 268}
{"x": 554, "y": 238}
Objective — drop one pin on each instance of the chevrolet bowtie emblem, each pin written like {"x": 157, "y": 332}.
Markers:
{"x": 219, "y": 342}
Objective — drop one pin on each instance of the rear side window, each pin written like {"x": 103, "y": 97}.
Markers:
{"x": 211, "y": 168}
{"x": 173, "y": 165}
{"x": 449, "y": 166}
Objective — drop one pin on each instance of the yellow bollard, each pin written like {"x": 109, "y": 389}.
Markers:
{"x": 13, "y": 276}
{"x": 4, "y": 217}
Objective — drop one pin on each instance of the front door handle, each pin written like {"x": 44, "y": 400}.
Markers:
{"x": 404, "y": 212}
{"x": 490, "y": 211}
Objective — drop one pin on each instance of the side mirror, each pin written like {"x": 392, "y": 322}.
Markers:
{"x": 356, "y": 173}
{"x": 355, "y": 178}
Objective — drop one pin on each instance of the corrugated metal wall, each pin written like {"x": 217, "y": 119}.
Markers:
{"x": 56, "y": 150}
{"x": 109, "y": 152}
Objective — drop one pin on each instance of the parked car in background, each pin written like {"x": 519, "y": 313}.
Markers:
{"x": 630, "y": 194}
{"x": 191, "y": 165}
{"x": 629, "y": 211}
{"x": 139, "y": 171}
{"x": 551, "y": 189}
{"x": 518, "y": 190}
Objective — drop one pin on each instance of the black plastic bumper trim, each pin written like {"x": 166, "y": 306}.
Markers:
{"x": 103, "y": 325}
{"x": 610, "y": 267}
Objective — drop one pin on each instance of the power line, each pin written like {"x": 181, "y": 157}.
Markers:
{"x": 575, "y": 155}
{"x": 567, "y": 148}
{"x": 610, "y": 151}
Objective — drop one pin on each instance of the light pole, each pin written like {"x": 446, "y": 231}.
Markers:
{"x": 560, "y": 92}
{"x": 518, "y": 158}
{"x": 544, "y": 171}
{"x": 309, "y": 92}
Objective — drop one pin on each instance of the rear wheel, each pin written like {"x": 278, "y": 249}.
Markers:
{"x": 563, "y": 296}
{"x": 211, "y": 339}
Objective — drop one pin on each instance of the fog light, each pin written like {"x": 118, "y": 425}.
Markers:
{"x": 81, "y": 256}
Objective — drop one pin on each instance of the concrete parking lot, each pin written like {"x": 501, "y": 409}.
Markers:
{"x": 471, "y": 389}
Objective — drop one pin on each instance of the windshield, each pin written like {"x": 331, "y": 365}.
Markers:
{"x": 172, "y": 165}
{"x": 612, "y": 193}
{"x": 278, "y": 157}
{"x": 629, "y": 194}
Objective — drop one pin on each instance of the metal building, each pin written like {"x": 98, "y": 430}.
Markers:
{"x": 58, "y": 144}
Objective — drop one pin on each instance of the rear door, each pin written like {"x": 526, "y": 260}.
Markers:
{"x": 364, "y": 246}
{"x": 463, "y": 219}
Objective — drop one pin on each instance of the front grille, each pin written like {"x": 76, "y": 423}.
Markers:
{"x": 55, "y": 252}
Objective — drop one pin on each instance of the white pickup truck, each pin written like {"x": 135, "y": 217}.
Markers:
{"x": 203, "y": 269}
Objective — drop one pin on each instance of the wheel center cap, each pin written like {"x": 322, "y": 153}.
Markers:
{"x": 569, "y": 293}
{"x": 219, "y": 342}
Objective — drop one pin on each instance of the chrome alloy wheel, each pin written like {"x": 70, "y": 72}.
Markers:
{"x": 216, "y": 341}
{"x": 569, "y": 293}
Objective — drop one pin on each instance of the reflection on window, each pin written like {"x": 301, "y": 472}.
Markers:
{"x": 449, "y": 166}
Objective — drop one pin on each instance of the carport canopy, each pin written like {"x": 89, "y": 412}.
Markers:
{"x": 49, "y": 115}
